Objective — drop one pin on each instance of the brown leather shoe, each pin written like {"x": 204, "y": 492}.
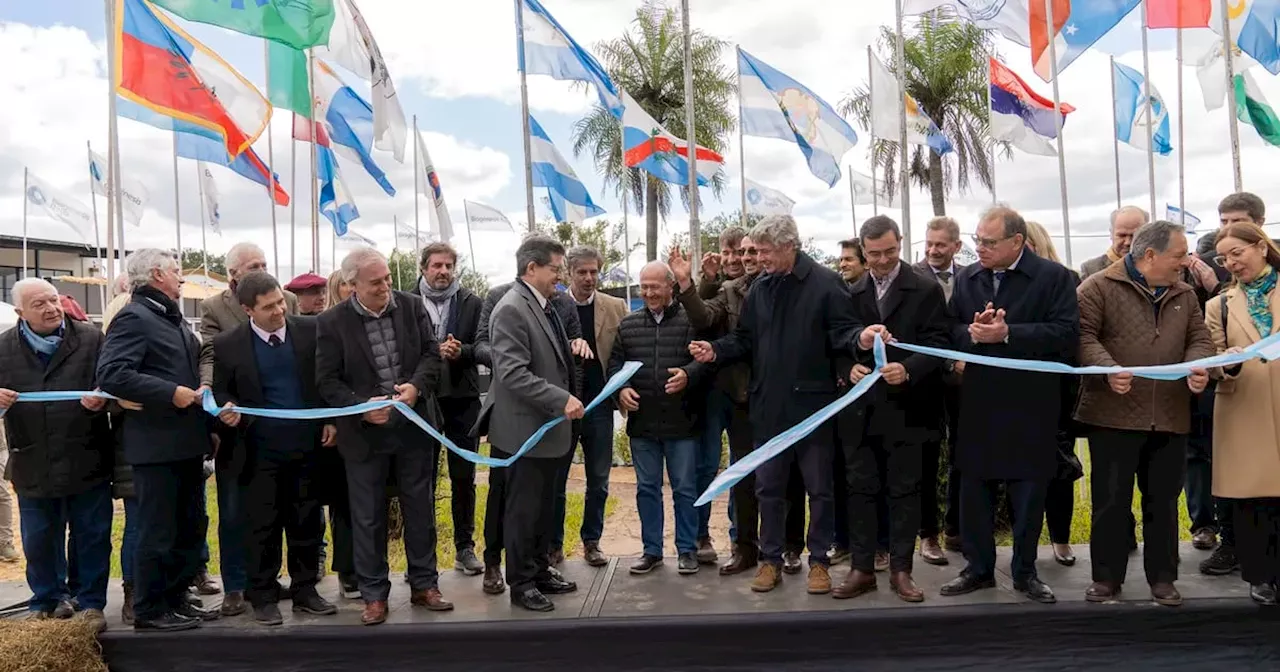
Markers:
{"x": 767, "y": 578}
{"x": 882, "y": 561}
{"x": 1102, "y": 591}
{"x": 905, "y": 587}
{"x": 744, "y": 558}
{"x": 205, "y": 585}
{"x": 234, "y": 604}
{"x": 431, "y": 599}
{"x": 1166, "y": 594}
{"x": 932, "y": 553}
{"x": 374, "y": 612}
{"x": 856, "y": 582}
{"x": 593, "y": 555}
{"x": 493, "y": 581}
{"x": 819, "y": 580}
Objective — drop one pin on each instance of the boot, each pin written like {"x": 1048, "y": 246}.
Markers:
{"x": 126, "y": 609}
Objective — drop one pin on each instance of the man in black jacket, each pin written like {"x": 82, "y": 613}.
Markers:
{"x": 151, "y": 357}
{"x": 61, "y": 451}
{"x": 455, "y": 314}
{"x": 270, "y": 362}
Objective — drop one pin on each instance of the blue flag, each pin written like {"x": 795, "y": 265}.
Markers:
{"x": 1132, "y": 109}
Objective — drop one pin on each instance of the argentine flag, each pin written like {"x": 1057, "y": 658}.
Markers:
{"x": 1173, "y": 214}
{"x": 1132, "y": 110}
{"x": 568, "y": 198}
{"x": 777, "y": 106}
{"x": 349, "y": 119}
{"x": 549, "y": 50}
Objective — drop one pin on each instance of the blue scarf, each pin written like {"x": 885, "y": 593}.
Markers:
{"x": 44, "y": 346}
{"x": 1257, "y": 296}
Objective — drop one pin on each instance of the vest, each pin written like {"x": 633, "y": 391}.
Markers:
{"x": 281, "y": 388}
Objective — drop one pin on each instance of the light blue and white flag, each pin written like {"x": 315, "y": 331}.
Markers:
{"x": 774, "y": 105}
{"x": 1259, "y": 30}
{"x": 1132, "y": 109}
{"x": 567, "y": 197}
{"x": 349, "y": 120}
{"x": 1176, "y": 215}
{"x": 134, "y": 193}
{"x": 336, "y": 203}
{"x": 548, "y": 50}
{"x": 766, "y": 201}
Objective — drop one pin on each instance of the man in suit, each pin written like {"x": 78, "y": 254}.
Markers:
{"x": 455, "y": 313}
{"x": 269, "y": 362}
{"x": 1124, "y": 223}
{"x": 380, "y": 345}
{"x": 942, "y": 244}
{"x": 151, "y": 357}
{"x": 1013, "y": 304}
{"x": 533, "y": 382}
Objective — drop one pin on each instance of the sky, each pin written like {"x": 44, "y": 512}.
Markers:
{"x": 454, "y": 65}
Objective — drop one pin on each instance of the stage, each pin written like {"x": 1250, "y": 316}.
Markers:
{"x": 664, "y": 621}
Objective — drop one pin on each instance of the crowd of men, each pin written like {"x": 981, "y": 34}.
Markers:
{"x": 766, "y": 338}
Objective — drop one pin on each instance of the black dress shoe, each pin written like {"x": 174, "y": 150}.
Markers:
{"x": 533, "y": 600}
{"x": 555, "y": 585}
{"x": 1036, "y": 590}
{"x": 166, "y": 622}
{"x": 268, "y": 614}
{"x": 308, "y": 601}
{"x": 1263, "y": 593}
{"x": 198, "y": 613}
{"x": 966, "y": 583}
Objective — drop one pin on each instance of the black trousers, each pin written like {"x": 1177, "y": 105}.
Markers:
{"x": 951, "y": 412}
{"x": 813, "y": 455}
{"x": 1059, "y": 508}
{"x": 526, "y": 521}
{"x": 1257, "y": 528}
{"x": 978, "y": 499}
{"x": 1159, "y": 461}
{"x": 495, "y": 509}
{"x": 281, "y": 499}
{"x": 930, "y": 456}
{"x": 170, "y": 534}
{"x": 883, "y": 467}
{"x": 459, "y": 416}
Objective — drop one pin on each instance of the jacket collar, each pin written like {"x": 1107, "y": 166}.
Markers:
{"x": 1120, "y": 273}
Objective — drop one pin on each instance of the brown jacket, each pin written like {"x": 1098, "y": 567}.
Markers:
{"x": 1119, "y": 327}
{"x": 717, "y": 316}
{"x": 1246, "y": 435}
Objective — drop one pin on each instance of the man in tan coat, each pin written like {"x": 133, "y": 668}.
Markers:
{"x": 1138, "y": 313}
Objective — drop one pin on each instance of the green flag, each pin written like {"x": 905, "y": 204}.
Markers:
{"x": 1252, "y": 108}
{"x": 297, "y": 23}
{"x": 287, "y": 79}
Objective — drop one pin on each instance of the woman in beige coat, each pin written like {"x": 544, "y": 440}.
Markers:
{"x": 1246, "y": 418}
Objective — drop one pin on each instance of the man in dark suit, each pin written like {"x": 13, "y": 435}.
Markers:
{"x": 533, "y": 382}
{"x": 381, "y": 345}
{"x": 270, "y": 362}
{"x": 909, "y": 305}
{"x": 1012, "y": 304}
{"x": 455, "y": 314}
{"x": 151, "y": 357}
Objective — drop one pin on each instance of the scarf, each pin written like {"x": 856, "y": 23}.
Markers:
{"x": 44, "y": 346}
{"x": 1258, "y": 296}
{"x": 437, "y": 301}
{"x": 1153, "y": 293}
{"x": 171, "y": 311}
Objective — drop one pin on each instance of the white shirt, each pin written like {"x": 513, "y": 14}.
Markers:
{"x": 591, "y": 300}
{"x": 266, "y": 335}
{"x": 542, "y": 300}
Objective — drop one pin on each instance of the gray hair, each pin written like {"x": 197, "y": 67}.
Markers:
{"x": 1013, "y": 222}
{"x": 1127, "y": 210}
{"x": 581, "y": 255}
{"x": 671, "y": 277}
{"x": 537, "y": 249}
{"x": 120, "y": 285}
{"x": 237, "y": 254}
{"x": 357, "y": 259}
{"x": 777, "y": 230}
{"x": 947, "y": 224}
{"x": 22, "y": 287}
{"x": 142, "y": 264}
{"x": 1154, "y": 236}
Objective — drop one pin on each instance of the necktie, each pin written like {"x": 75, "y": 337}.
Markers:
{"x": 944, "y": 276}
{"x": 944, "y": 279}
{"x": 997, "y": 279}
{"x": 274, "y": 341}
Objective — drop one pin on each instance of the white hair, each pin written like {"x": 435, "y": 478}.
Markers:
{"x": 357, "y": 259}
{"x": 1128, "y": 210}
{"x": 671, "y": 277}
{"x": 120, "y": 285}
{"x": 26, "y": 286}
{"x": 142, "y": 264}
{"x": 778, "y": 230}
{"x": 239, "y": 252}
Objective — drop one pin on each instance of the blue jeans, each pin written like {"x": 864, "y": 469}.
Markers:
{"x": 597, "y": 460}
{"x": 44, "y": 528}
{"x": 129, "y": 540}
{"x": 719, "y": 413}
{"x": 681, "y": 457}
{"x": 232, "y": 533}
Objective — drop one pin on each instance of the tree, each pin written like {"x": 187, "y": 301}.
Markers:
{"x": 648, "y": 63}
{"x": 946, "y": 73}
{"x": 607, "y": 239}
{"x": 404, "y": 273}
{"x": 712, "y": 228}
{"x": 193, "y": 260}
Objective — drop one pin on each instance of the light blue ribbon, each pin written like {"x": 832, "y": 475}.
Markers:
{"x": 47, "y": 397}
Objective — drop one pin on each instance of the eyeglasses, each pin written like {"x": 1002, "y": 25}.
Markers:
{"x": 743, "y": 251}
{"x": 989, "y": 242}
{"x": 1234, "y": 255}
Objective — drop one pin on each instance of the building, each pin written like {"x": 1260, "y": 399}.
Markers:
{"x": 51, "y": 259}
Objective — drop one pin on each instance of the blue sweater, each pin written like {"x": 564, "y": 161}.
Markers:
{"x": 281, "y": 388}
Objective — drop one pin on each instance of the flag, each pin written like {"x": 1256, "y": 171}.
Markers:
{"x": 1132, "y": 110}
{"x": 1179, "y": 13}
{"x": 287, "y": 86}
{"x": 351, "y": 45}
{"x": 482, "y": 217}
{"x": 886, "y": 122}
{"x": 549, "y": 50}
{"x": 429, "y": 184}
{"x": 212, "y": 216}
{"x": 1010, "y": 19}
{"x": 867, "y": 191}
{"x": 967, "y": 256}
{"x": 567, "y": 197}
{"x": 762, "y": 200}
{"x": 1210, "y": 68}
{"x": 347, "y": 118}
{"x": 336, "y": 202}
{"x": 58, "y": 205}
{"x": 353, "y": 237}
{"x": 651, "y": 148}
{"x": 165, "y": 70}
{"x": 774, "y": 105}
{"x": 1178, "y": 216}
{"x": 297, "y": 23}
{"x": 1077, "y": 24}
{"x": 1252, "y": 108}
{"x": 1020, "y": 116}
{"x": 133, "y": 192}
{"x": 415, "y": 240}
{"x": 1259, "y": 31}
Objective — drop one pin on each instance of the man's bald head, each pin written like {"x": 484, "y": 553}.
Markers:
{"x": 656, "y": 285}
{"x": 1124, "y": 223}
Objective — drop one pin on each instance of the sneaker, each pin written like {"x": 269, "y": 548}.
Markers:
{"x": 837, "y": 555}
{"x": 1222, "y": 562}
{"x": 1204, "y": 539}
{"x": 309, "y": 601}
{"x": 8, "y": 553}
{"x": 65, "y": 609}
{"x": 646, "y": 564}
{"x": 467, "y": 562}
{"x": 707, "y": 552}
{"x": 350, "y": 587}
{"x": 687, "y": 563}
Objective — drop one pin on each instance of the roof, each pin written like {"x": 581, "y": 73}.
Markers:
{"x": 86, "y": 251}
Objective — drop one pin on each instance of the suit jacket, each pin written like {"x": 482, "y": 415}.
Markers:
{"x": 928, "y": 273}
{"x": 149, "y": 352}
{"x": 533, "y": 377}
{"x": 236, "y": 380}
{"x": 562, "y": 302}
{"x": 459, "y": 378}
{"x": 223, "y": 313}
{"x": 346, "y": 374}
{"x": 609, "y": 311}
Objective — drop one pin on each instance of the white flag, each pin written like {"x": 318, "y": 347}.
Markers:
{"x": 482, "y": 217}
{"x": 866, "y": 191}
{"x": 352, "y": 46}
{"x": 133, "y": 192}
{"x": 886, "y": 119}
{"x": 429, "y": 184}
{"x": 762, "y": 200}
{"x": 412, "y": 239}
{"x": 57, "y": 204}
{"x": 1210, "y": 70}
{"x": 352, "y": 237}
{"x": 212, "y": 216}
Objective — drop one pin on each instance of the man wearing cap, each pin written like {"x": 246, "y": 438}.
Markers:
{"x": 312, "y": 293}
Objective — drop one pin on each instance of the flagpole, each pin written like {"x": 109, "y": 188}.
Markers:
{"x": 111, "y": 139}
{"x": 871, "y": 94}
{"x": 115, "y": 201}
{"x": 204, "y": 241}
{"x": 1057, "y": 122}
{"x": 466, "y": 214}
{"x": 416, "y": 231}
{"x": 177, "y": 212}
{"x": 271, "y": 168}
{"x": 315, "y": 192}
{"x": 293, "y": 202}
{"x": 1146, "y": 92}
{"x": 1182, "y": 159}
{"x": 1115, "y": 126}
{"x": 97, "y": 236}
{"x": 691, "y": 137}
{"x": 524, "y": 121}
{"x": 1228, "y": 54}
{"x": 25, "y": 198}
{"x": 904, "y": 187}
{"x": 742, "y": 150}
{"x": 994, "y": 199}
{"x": 626, "y": 226}
{"x": 853, "y": 201}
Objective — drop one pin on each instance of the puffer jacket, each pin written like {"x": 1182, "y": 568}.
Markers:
{"x": 660, "y": 346}
{"x": 716, "y": 317}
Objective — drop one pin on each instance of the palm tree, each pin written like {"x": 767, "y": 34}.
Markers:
{"x": 648, "y": 63}
{"x": 946, "y": 74}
